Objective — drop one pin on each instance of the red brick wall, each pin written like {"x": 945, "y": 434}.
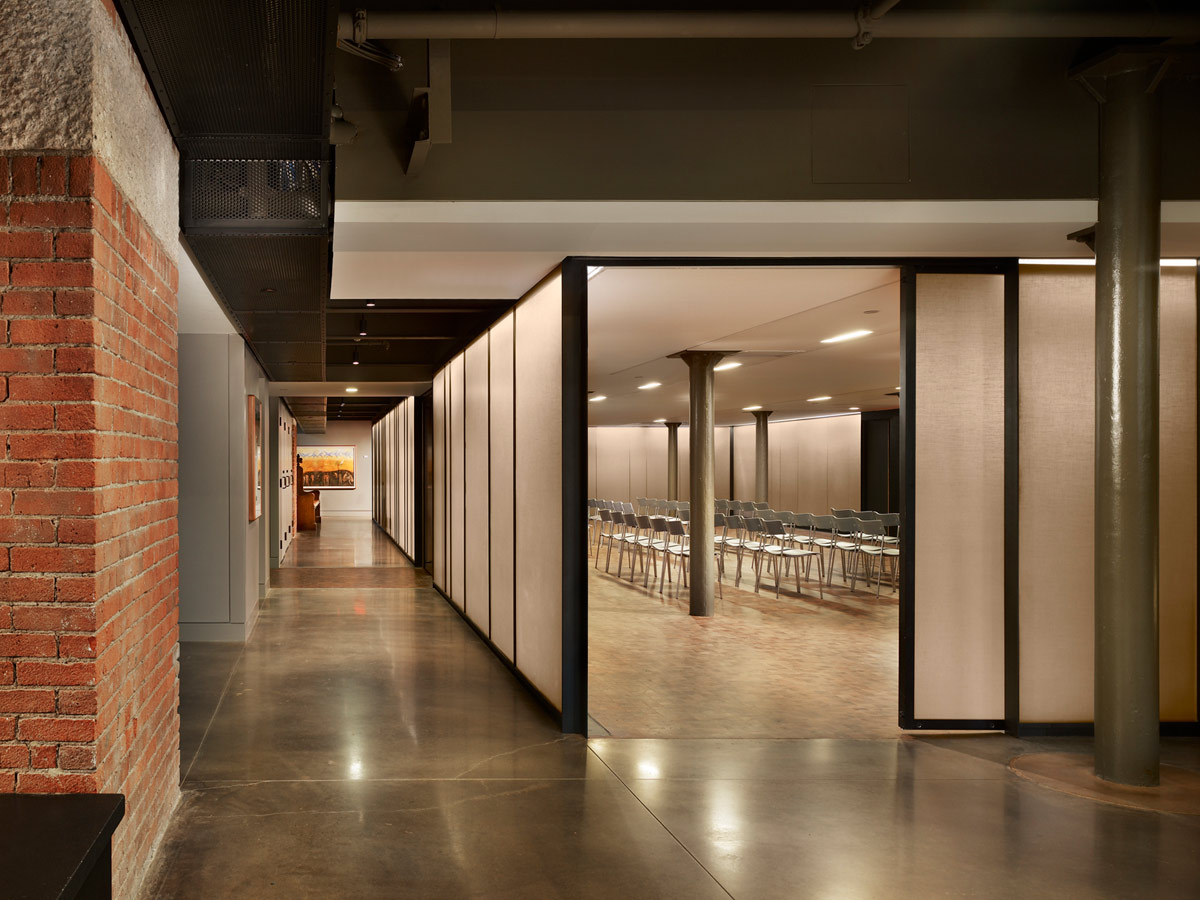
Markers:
{"x": 88, "y": 535}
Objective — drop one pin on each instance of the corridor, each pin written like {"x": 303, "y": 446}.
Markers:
{"x": 364, "y": 743}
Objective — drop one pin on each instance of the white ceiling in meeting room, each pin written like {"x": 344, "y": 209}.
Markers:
{"x": 798, "y": 331}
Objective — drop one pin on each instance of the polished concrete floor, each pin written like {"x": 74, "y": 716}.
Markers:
{"x": 365, "y": 744}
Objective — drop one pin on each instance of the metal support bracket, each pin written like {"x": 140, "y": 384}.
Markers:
{"x": 429, "y": 119}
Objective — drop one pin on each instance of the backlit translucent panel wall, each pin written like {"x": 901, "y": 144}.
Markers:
{"x": 393, "y": 458}
{"x": 959, "y": 497}
{"x": 1057, "y": 423}
{"x": 439, "y": 480}
{"x": 498, "y": 508}
{"x": 814, "y": 463}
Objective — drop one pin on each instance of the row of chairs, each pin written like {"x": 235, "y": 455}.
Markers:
{"x": 865, "y": 538}
{"x": 659, "y": 543}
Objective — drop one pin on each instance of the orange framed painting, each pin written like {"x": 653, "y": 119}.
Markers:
{"x": 327, "y": 467}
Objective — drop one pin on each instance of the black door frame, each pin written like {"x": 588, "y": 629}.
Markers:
{"x": 574, "y": 547}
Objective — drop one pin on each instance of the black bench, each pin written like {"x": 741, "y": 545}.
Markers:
{"x": 58, "y": 846}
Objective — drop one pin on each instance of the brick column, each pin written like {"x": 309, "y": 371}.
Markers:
{"x": 88, "y": 536}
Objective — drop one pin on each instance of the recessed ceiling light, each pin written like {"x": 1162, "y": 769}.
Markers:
{"x": 597, "y": 398}
{"x": 649, "y": 385}
{"x": 897, "y": 387}
{"x": 723, "y": 366}
{"x": 870, "y": 312}
{"x": 818, "y": 399}
{"x": 854, "y": 409}
{"x": 660, "y": 421}
{"x": 750, "y": 408}
{"x": 848, "y": 336}
{"x": 351, "y": 390}
{"x": 370, "y": 304}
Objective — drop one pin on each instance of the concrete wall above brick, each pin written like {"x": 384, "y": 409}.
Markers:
{"x": 70, "y": 81}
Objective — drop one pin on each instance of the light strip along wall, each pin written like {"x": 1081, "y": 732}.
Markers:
{"x": 393, "y": 473}
{"x": 498, "y": 486}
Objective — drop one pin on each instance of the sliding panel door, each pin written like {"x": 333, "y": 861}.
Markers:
{"x": 958, "y": 502}
{"x": 1177, "y": 497}
{"x": 539, "y": 469}
{"x": 476, "y": 473}
{"x": 502, "y": 502}
{"x": 457, "y": 493}
{"x": 1057, "y": 470}
{"x": 439, "y": 479}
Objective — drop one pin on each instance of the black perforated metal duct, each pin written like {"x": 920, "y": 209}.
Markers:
{"x": 246, "y": 87}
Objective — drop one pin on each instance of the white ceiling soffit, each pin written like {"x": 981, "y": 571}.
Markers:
{"x": 199, "y": 312}
{"x": 432, "y": 250}
{"x": 778, "y": 317}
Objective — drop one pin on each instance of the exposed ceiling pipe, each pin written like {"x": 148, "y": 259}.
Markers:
{"x": 525, "y": 25}
{"x": 867, "y": 17}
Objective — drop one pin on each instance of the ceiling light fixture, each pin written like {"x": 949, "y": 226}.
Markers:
{"x": 818, "y": 399}
{"x": 597, "y": 398}
{"x": 370, "y": 304}
{"x": 723, "y": 366}
{"x": 351, "y": 390}
{"x": 870, "y": 312}
{"x": 649, "y": 385}
{"x": 750, "y": 408}
{"x": 848, "y": 336}
{"x": 659, "y": 421}
{"x": 354, "y": 360}
{"x": 362, "y": 325}
{"x": 853, "y": 409}
{"x": 897, "y": 387}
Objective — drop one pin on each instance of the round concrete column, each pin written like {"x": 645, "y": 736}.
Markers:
{"x": 673, "y": 460}
{"x": 701, "y": 599}
{"x": 762, "y": 459}
{"x": 1126, "y": 536}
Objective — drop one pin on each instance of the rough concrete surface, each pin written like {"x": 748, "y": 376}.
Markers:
{"x": 45, "y": 74}
{"x": 70, "y": 81}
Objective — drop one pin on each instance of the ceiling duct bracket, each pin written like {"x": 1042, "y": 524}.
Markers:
{"x": 429, "y": 120}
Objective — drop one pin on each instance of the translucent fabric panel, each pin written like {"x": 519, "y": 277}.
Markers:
{"x": 501, "y": 506}
{"x": 477, "y": 556}
{"x": 439, "y": 479}
{"x": 959, "y": 497}
{"x": 457, "y": 492}
{"x": 538, "y": 397}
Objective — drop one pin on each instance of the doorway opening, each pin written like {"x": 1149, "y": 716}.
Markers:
{"x": 819, "y": 347}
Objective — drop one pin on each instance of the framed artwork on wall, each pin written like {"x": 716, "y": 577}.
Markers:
{"x": 255, "y": 454}
{"x": 327, "y": 468}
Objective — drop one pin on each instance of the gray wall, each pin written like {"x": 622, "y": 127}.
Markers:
{"x": 223, "y": 557}
{"x": 753, "y": 120}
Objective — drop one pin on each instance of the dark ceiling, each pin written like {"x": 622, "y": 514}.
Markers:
{"x": 247, "y": 91}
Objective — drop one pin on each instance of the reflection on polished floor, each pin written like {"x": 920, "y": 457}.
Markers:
{"x": 365, "y": 744}
{"x": 796, "y": 666}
